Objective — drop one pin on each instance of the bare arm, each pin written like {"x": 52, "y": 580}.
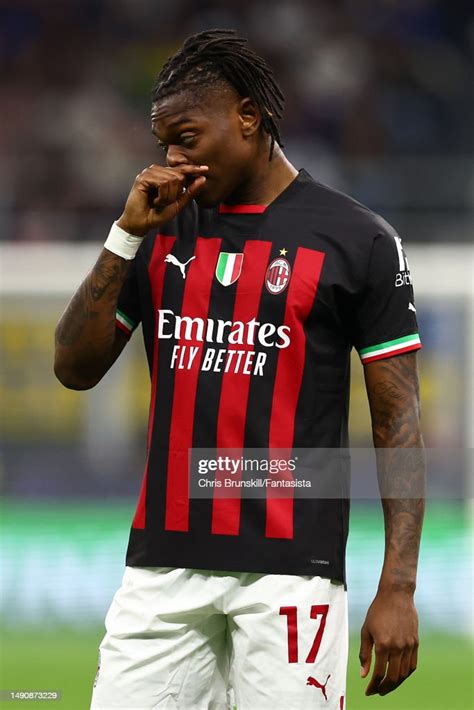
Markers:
{"x": 87, "y": 341}
{"x": 391, "y": 623}
{"x": 86, "y": 338}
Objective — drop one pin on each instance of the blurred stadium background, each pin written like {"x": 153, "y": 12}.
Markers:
{"x": 378, "y": 105}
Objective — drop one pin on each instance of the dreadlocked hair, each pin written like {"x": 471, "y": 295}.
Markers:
{"x": 215, "y": 55}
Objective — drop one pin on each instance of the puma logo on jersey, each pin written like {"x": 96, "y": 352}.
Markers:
{"x": 171, "y": 259}
{"x": 411, "y": 307}
{"x": 317, "y": 684}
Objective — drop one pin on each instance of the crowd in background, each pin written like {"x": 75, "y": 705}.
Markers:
{"x": 377, "y": 101}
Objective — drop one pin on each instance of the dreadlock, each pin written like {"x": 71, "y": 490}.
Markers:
{"x": 216, "y": 55}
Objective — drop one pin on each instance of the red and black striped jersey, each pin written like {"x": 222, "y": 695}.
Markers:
{"x": 249, "y": 315}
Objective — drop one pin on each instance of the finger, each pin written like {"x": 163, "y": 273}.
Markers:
{"x": 190, "y": 169}
{"x": 413, "y": 660}
{"x": 160, "y": 170}
{"x": 185, "y": 197}
{"x": 405, "y": 665}
{"x": 195, "y": 187}
{"x": 392, "y": 676}
{"x": 176, "y": 189}
{"x": 172, "y": 210}
{"x": 163, "y": 197}
{"x": 365, "y": 652}
{"x": 167, "y": 183}
{"x": 378, "y": 674}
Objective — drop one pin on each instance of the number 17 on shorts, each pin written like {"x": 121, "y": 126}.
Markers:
{"x": 296, "y": 656}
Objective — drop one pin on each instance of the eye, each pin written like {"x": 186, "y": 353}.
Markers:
{"x": 187, "y": 139}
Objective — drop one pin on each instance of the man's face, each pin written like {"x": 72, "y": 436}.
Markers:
{"x": 213, "y": 131}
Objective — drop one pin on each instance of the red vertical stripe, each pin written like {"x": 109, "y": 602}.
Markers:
{"x": 197, "y": 291}
{"x": 301, "y": 294}
{"x": 156, "y": 270}
{"x": 235, "y": 386}
{"x": 236, "y": 268}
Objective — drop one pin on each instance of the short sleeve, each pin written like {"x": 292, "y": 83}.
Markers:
{"x": 128, "y": 314}
{"x": 385, "y": 321}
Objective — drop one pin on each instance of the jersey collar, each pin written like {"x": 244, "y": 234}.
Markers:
{"x": 241, "y": 209}
{"x": 260, "y": 209}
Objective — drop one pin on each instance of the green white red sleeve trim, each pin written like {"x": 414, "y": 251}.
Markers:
{"x": 124, "y": 323}
{"x": 391, "y": 347}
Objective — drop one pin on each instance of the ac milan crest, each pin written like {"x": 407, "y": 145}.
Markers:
{"x": 278, "y": 275}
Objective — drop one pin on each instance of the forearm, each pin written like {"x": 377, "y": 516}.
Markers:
{"x": 401, "y": 482}
{"x": 400, "y": 468}
{"x": 86, "y": 338}
{"x": 85, "y": 334}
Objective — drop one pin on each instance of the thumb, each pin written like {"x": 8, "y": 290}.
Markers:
{"x": 365, "y": 652}
{"x": 193, "y": 190}
{"x": 172, "y": 210}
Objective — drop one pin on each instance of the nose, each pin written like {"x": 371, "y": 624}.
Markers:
{"x": 174, "y": 157}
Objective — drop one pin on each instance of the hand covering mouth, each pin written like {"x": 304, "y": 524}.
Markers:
{"x": 189, "y": 179}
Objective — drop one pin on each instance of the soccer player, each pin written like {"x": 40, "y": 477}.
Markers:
{"x": 252, "y": 282}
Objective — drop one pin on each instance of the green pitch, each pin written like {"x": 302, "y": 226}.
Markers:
{"x": 66, "y": 661}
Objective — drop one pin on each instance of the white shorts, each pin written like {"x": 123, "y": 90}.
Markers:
{"x": 187, "y": 639}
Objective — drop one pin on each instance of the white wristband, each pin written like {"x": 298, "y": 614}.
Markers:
{"x": 122, "y": 243}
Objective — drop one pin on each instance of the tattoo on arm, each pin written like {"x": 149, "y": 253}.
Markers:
{"x": 100, "y": 288}
{"x": 393, "y": 391}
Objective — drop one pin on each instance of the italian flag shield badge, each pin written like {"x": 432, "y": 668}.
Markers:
{"x": 228, "y": 267}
